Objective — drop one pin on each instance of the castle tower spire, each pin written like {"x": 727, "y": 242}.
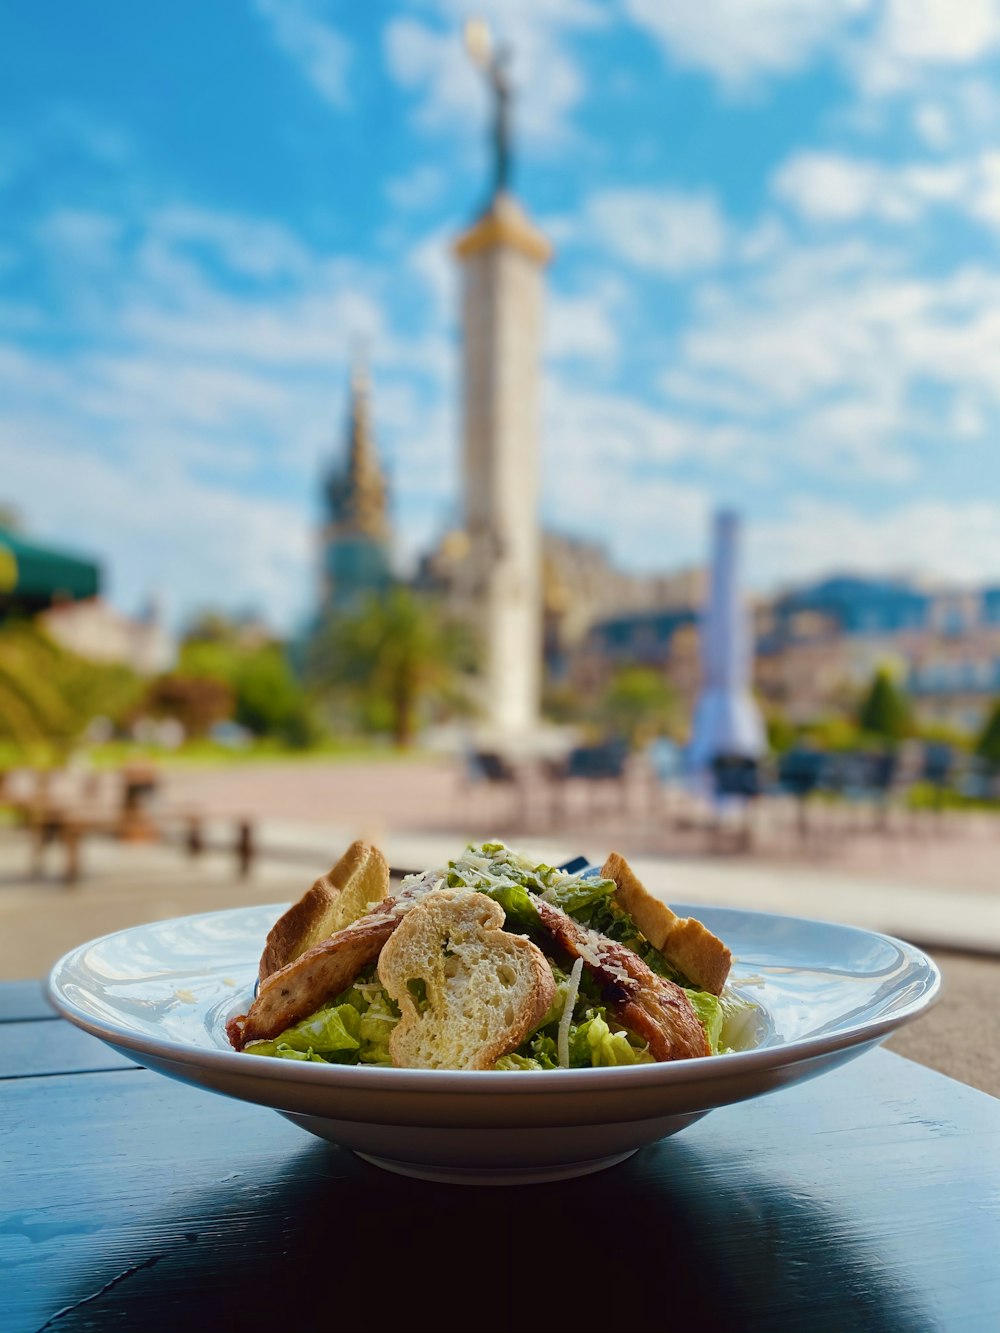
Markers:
{"x": 361, "y": 493}
{"x": 356, "y": 531}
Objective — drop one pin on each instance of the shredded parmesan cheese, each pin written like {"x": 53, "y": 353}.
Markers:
{"x": 590, "y": 946}
{"x": 566, "y": 1017}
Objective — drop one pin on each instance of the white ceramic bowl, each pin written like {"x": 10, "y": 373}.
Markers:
{"x": 162, "y": 993}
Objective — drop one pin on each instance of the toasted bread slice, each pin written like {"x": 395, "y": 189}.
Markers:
{"x": 683, "y": 941}
{"x": 347, "y": 891}
{"x": 468, "y": 992}
{"x": 304, "y": 985}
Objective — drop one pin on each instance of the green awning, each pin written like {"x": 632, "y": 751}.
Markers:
{"x": 38, "y": 572}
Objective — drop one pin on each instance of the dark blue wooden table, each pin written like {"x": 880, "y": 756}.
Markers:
{"x": 866, "y": 1200}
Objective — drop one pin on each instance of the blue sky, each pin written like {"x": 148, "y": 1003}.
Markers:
{"x": 777, "y": 282}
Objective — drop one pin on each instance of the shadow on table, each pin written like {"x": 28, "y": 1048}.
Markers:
{"x": 330, "y": 1243}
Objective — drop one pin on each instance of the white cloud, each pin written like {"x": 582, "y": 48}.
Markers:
{"x": 188, "y": 427}
{"x": 428, "y": 59}
{"x": 431, "y": 260}
{"x": 958, "y": 541}
{"x": 915, "y": 36}
{"x": 252, "y": 246}
{"x": 418, "y": 189}
{"x": 432, "y": 63}
{"x": 664, "y": 231}
{"x": 933, "y": 124}
{"x": 156, "y": 527}
{"x": 582, "y": 327}
{"x": 835, "y": 187}
{"x": 837, "y": 361}
{"x": 607, "y": 474}
{"x": 694, "y": 392}
{"x": 888, "y": 46}
{"x": 588, "y": 428}
{"x": 320, "y": 50}
{"x": 941, "y": 30}
{"x": 829, "y": 186}
{"x": 984, "y": 203}
{"x": 740, "y": 41}
{"x": 81, "y": 235}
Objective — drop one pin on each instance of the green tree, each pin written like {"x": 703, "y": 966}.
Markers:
{"x": 884, "y": 711}
{"x": 988, "y": 744}
{"x": 562, "y": 703}
{"x": 638, "y": 704}
{"x": 781, "y": 731}
{"x": 268, "y": 699}
{"x": 394, "y": 657}
{"x": 196, "y": 702}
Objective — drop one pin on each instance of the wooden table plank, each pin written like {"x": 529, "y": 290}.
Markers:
{"x": 867, "y": 1199}
{"x": 24, "y": 1000}
{"x": 28, "y": 1050}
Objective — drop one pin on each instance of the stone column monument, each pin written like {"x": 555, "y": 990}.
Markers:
{"x": 727, "y": 722}
{"x": 502, "y": 256}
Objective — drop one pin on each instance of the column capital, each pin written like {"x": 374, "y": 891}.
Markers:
{"x": 504, "y": 224}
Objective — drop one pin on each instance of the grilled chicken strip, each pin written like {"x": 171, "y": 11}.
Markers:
{"x": 308, "y": 982}
{"x": 650, "y": 1006}
{"x": 305, "y": 984}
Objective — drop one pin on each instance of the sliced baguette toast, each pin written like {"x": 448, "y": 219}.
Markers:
{"x": 684, "y": 942}
{"x": 347, "y": 891}
{"x": 468, "y": 992}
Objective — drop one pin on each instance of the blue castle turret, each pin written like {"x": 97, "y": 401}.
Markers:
{"x": 355, "y": 537}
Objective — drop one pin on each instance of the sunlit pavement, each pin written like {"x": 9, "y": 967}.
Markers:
{"x": 427, "y": 796}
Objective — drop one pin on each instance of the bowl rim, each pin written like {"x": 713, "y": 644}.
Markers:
{"x": 477, "y": 1082}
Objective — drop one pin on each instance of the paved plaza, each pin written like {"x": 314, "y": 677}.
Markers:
{"x": 433, "y": 796}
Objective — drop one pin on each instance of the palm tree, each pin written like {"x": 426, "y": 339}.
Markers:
{"x": 396, "y": 653}
{"x": 639, "y": 704}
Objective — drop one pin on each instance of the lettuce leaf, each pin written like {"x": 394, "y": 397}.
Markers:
{"x": 353, "y": 1029}
{"x": 594, "y": 1043}
{"x": 520, "y": 911}
{"x": 377, "y": 1023}
{"x": 709, "y": 1010}
{"x": 284, "y": 1052}
{"x": 516, "y": 1061}
{"x": 327, "y": 1034}
{"x": 728, "y": 1019}
{"x": 575, "y": 896}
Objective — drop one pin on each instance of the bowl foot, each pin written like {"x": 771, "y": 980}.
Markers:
{"x": 502, "y": 1175}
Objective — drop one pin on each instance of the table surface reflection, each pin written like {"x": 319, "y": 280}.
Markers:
{"x": 868, "y": 1199}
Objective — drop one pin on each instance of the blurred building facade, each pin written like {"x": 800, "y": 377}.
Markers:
{"x": 95, "y": 630}
{"x": 581, "y": 588}
{"x": 818, "y": 646}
